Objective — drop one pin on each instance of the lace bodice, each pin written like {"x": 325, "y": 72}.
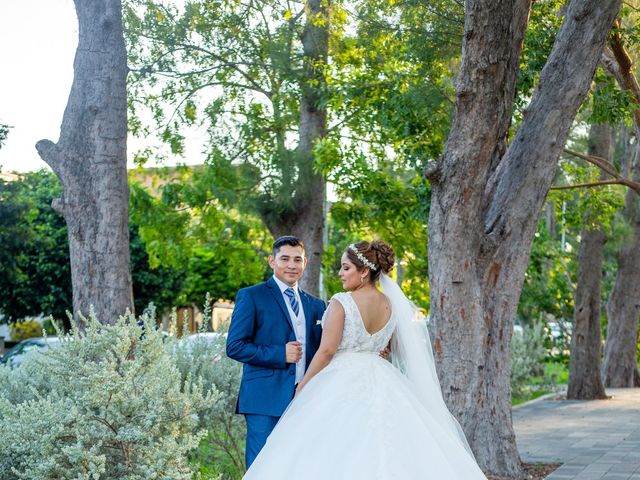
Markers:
{"x": 355, "y": 337}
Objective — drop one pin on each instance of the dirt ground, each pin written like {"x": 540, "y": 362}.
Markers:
{"x": 533, "y": 471}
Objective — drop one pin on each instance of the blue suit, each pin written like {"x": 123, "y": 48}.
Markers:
{"x": 260, "y": 328}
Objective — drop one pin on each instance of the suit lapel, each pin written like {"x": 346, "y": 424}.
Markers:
{"x": 277, "y": 295}
{"x": 309, "y": 321}
{"x": 307, "y": 309}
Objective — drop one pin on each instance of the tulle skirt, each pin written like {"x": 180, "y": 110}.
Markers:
{"x": 359, "y": 419}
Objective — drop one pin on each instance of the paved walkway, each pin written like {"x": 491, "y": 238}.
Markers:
{"x": 593, "y": 440}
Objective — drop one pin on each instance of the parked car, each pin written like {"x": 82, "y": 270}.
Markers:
{"x": 207, "y": 338}
{"x": 560, "y": 329}
{"x": 517, "y": 327}
{"x": 16, "y": 355}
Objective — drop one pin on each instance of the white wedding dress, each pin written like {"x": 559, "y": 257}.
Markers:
{"x": 361, "y": 419}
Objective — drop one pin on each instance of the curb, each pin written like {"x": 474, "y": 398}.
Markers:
{"x": 562, "y": 391}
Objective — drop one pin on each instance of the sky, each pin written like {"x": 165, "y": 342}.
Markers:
{"x": 39, "y": 39}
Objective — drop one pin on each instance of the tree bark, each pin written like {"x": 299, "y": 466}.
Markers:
{"x": 623, "y": 308}
{"x": 307, "y": 218}
{"x": 90, "y": 161}
{"x": 585, "y": 382}
{"x": 486, "y": 201}
{"x": 623, "y": 311}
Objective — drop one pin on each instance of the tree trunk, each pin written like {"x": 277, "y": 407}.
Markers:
{"x": 584, "y": 368}
{"x": 623, "y": 311}
{"x": 307, "y": 220}
{"x": 623, "y": 307}
{"x": 90, "y": 161}
{"x": 486, "y": 201}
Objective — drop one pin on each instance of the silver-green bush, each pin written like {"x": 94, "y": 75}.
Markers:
{"x": 221, "y": 452}
{"x": 110, "y": 403}
{"x": 527, "y": 357}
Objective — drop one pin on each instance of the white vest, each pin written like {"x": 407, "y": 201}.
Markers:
{"x": 299, "y": 325}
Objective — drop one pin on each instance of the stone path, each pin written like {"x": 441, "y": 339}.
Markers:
{"x": 593, "y": 440}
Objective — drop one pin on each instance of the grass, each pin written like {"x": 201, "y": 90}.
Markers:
{"x": 555, "y": 374}
{"x": 213, "y": 463}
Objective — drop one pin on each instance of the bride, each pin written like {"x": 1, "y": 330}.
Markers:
{"x": 356, "y": 415}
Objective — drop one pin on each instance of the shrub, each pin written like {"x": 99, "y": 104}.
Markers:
{"x": 221, "y": 452}
{"x": 49, "y": 327}
{"x": 527, "y": 357}
{"x": 25, "y": 329}
{"x": 110, "y": 403}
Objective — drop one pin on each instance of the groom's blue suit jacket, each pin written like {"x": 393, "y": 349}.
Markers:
{"x": 260, "y": 328}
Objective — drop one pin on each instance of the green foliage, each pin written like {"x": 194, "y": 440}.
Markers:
{"x": 549, "y": 282}
{"x": 109, "y": 403}
{"x": 544, "y": 22}
{"x": 591, "y": 207}
{"x": 4, "y": 132}
{"x": 608, "y": 103}
{"x": 528, "y": 354}
{"x": 13, "y": 231}
{"x": 49, "y": 326}
{"x": 605, "y": 104}
{"x": 629, "y": 28}
{"x": 234, "y": 68}
{"x": 385, "y": 203}
{"x": 222, "y": 269}
{"x": 388, "y": 90}
{"x": 556, "y": 374}
{"x": 160, "y": 285}
{"x": 35, "y": 250}
{"x": 183, "y": 226}
{"x": 34, "y": 262}
{"x": 26, "y": 329}
{"x": 221, "y": 451}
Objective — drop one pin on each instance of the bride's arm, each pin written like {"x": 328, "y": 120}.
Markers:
{"x": 331, "y": 336}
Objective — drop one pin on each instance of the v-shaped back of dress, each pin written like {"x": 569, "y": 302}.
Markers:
{"x": 355, "y": 337}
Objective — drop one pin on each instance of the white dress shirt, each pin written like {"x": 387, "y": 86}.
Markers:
{"x": 299, "y": 324}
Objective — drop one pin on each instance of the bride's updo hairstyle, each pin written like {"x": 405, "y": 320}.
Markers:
{"x": 377, "y": 253}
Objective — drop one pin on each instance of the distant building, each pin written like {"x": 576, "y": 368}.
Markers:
{"x": 9, "y": 177}
{"x": 219, "y": 321}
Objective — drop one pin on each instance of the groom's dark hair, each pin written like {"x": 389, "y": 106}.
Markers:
{"x": 286, "y": 240}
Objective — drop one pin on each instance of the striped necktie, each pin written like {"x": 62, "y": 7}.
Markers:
{"x": 292, "y": 300}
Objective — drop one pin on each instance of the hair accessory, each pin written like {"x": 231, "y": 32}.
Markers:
{"x": 362, "y": 258}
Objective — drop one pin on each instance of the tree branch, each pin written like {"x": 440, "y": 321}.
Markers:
{"x": 618, "y": 62}
{"x": 599, "y": 162}
{"x": 49, "y": 152}
{"x": 586, "y": 185}
{"x": 220, "y": 59}
{"x": 527, "y": 168}
{"x": 606, "y": 167}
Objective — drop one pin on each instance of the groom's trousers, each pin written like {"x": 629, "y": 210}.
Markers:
{"x": 259, "y": 427}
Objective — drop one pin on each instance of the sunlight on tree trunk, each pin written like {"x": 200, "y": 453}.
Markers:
{"x": 584, "y": 367}
{"x": 90, "y": 161}
{"x": 307, "y": 219}
{"x": 486, "y": 202}
{"x": 623, "y": 308}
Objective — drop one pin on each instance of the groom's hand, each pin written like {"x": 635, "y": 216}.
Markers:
{"x": 294, "y": 352}
{"x": 386, "y": 352}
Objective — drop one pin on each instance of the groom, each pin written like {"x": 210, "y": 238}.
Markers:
{"x": 274, "y": 332}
